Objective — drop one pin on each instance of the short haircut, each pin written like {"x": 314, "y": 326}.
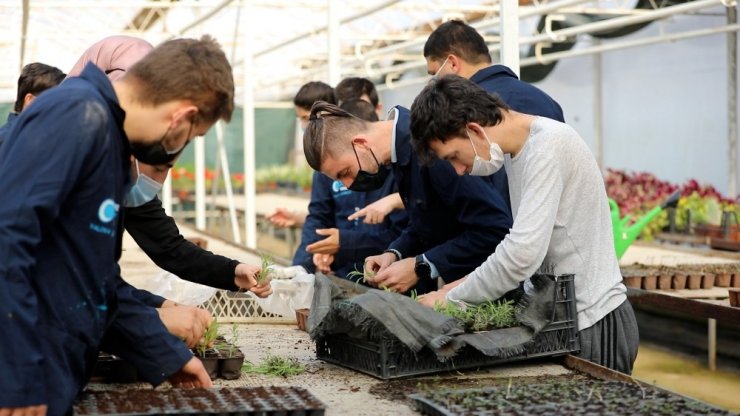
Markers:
{"x": 312, "y": 92}
{"x": 35, "y": 78}
{"x": 329, "y": 129}
{"x": 355, "y": 87}
{"x": 187, "y": 69}
{"x": 360, "y": 108}
{"x": 454, "y": 37}
{"x": 444, "y": 108}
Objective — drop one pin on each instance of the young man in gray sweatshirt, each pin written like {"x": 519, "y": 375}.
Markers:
{"x": 558, "y": 201}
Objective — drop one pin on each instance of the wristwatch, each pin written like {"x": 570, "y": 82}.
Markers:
{"x": 422, "y": 269}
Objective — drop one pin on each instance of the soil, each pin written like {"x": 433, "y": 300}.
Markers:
{"x": 578, "y": 397}
{"x": 242, "y": 401}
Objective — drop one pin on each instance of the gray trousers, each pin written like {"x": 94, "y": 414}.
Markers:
{"x": 612, "y": 342}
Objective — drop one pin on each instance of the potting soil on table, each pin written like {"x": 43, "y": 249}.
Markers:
{"x": 590, "y": 397}
{"x": 245, "y": 401}
{"x": 377, "y": 314}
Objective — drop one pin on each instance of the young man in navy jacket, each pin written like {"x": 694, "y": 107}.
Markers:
{"x": 64, "y": 171}
{"x": 452, "y": 218}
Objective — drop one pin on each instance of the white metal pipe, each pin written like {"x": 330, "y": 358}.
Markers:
{"x": 598, "y": 110}
{"x": 204, "y": 17}
{"x": 732, "y": 103}
{"x": 200, "y": 183}
{"x": 524, "y": 12}
{"x": 227, "y": 182}
{"x": 611, "y": 46}
{"x": 510, "y": 34}
{"x": 322, "y": 29}
{"x": 332, "y": 37}
{"x": 250, "y": 213}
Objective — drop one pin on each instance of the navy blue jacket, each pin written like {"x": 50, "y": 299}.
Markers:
{"x": 5, "y": 129}
{"x": 331, "y": 204}
{"x": 455, "y": 221}
{"x": 519, "y": 95}
{"x": 63, "y": 174}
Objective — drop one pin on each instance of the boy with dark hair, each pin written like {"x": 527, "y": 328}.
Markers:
{"x": 457, "y": 48}
{"x": 562, "y": 223}
{"x": 453, "y": 220}
{"x": 356, "y": 87}
{"x": 35, "y": 78}
{"x": 308, "y": 94}
{"x": 360, "y": 108}
{"x": 65, "y": 171}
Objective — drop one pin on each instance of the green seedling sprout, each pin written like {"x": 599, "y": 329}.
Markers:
{"x": 265, "y": 272}
{"x": 209, "y": 337}
{"x": 274, "y": 365}
{"x": 234, "y": 338}
{"x": 483, "y": 317}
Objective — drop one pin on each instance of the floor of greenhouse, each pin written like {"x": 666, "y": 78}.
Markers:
{"x": 345, "y": 391}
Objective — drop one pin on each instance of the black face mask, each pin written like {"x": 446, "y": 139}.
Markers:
{"x": 365, "y": 181}
{"x": 155, "y": 153}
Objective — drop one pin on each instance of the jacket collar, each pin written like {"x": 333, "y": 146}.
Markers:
{"x": 492, "y": 71}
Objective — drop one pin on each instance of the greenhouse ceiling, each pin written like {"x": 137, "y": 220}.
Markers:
{"x": 288, "y": 42}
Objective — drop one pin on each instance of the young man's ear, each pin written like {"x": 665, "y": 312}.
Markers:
{"x": 379, "y": 110}
{"x": 359, "y": 140}
{"x": 455, "y": 63}
{"x": 27, "y": 100}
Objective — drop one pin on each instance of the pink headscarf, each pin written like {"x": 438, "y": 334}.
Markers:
{"x": 114, "y": 55}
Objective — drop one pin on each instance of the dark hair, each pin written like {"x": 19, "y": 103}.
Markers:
{"x": 355, "y": 87}
{"x": 312, "y": 92}
{"x": 36, "y": 78}
{"x": 445, "y": 106}
{"x": 454, "y": 37}
{"x": 187, "y": 69}
{"x": 329, "y": 127}
{"x": 360, "y": 108}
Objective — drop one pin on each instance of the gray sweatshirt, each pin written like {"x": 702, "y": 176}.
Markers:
{"x": 562, "y": 225}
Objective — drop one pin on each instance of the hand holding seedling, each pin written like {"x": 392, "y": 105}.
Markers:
{"x": 376, "y": 212}
{"x": 398, "y": 277}
{"x": 329, "y": 245}
{"x": 323, "y": 262}
{"x": 185, "y": 322}
{"x": 245, "y": 277}
{"x": 434, "y": 299}
{"x": 192, "y": 376}
{"x": 377, "y": 264}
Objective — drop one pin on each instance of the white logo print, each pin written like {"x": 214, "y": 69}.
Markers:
{"x": 108, "y": 211}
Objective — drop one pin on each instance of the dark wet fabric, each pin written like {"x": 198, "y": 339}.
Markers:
{"x": 371, "y": 314}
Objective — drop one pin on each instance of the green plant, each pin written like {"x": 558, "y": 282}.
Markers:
{"x": 209, "y": 337}
{"x": 274, "y": 365}
{"x": 483, "y": 317}
{"x": 265, "y": 271}
{"x": 233, "y": 340}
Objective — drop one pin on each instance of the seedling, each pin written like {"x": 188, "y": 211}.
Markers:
{"x": 266, "y": 272}
{"x": 232, "y": 341}
{"x": 276, "y": 366}
{"x": 483, "y": 317}
{"x": 209, "y": 337}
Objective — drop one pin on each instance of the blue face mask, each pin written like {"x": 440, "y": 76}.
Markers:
{"x": 143, "y": 191}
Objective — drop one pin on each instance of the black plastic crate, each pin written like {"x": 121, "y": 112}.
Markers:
{"x": 242, "y": 401}
{"x": 389, "y": 358}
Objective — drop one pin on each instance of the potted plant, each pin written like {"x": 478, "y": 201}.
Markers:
{"x": 205, "y": 351}
{"x": 231, "y": 356}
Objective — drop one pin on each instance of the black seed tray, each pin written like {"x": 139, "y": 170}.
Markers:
{"x": 389, "y": 358}
{"x": 241, "y": 401}
{"x": 566, "y": 398}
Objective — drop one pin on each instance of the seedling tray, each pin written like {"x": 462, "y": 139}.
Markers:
{"x": 242, "y": 401}
{"x": 388, "y": 358}
{"x": 563, "y": 398}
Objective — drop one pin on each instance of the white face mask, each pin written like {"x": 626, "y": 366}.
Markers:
{"x": 143, "y": 191}
{"x": 482, "y": 167}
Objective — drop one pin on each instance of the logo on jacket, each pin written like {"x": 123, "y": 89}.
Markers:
{"x": 108, "y": 211}
{"x": 339, "y": 189}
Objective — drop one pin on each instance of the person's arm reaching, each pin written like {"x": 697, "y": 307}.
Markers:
{"x": 524, "y": 248}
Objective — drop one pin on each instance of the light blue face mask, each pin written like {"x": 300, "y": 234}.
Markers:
{"x": 143, "y": 191}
